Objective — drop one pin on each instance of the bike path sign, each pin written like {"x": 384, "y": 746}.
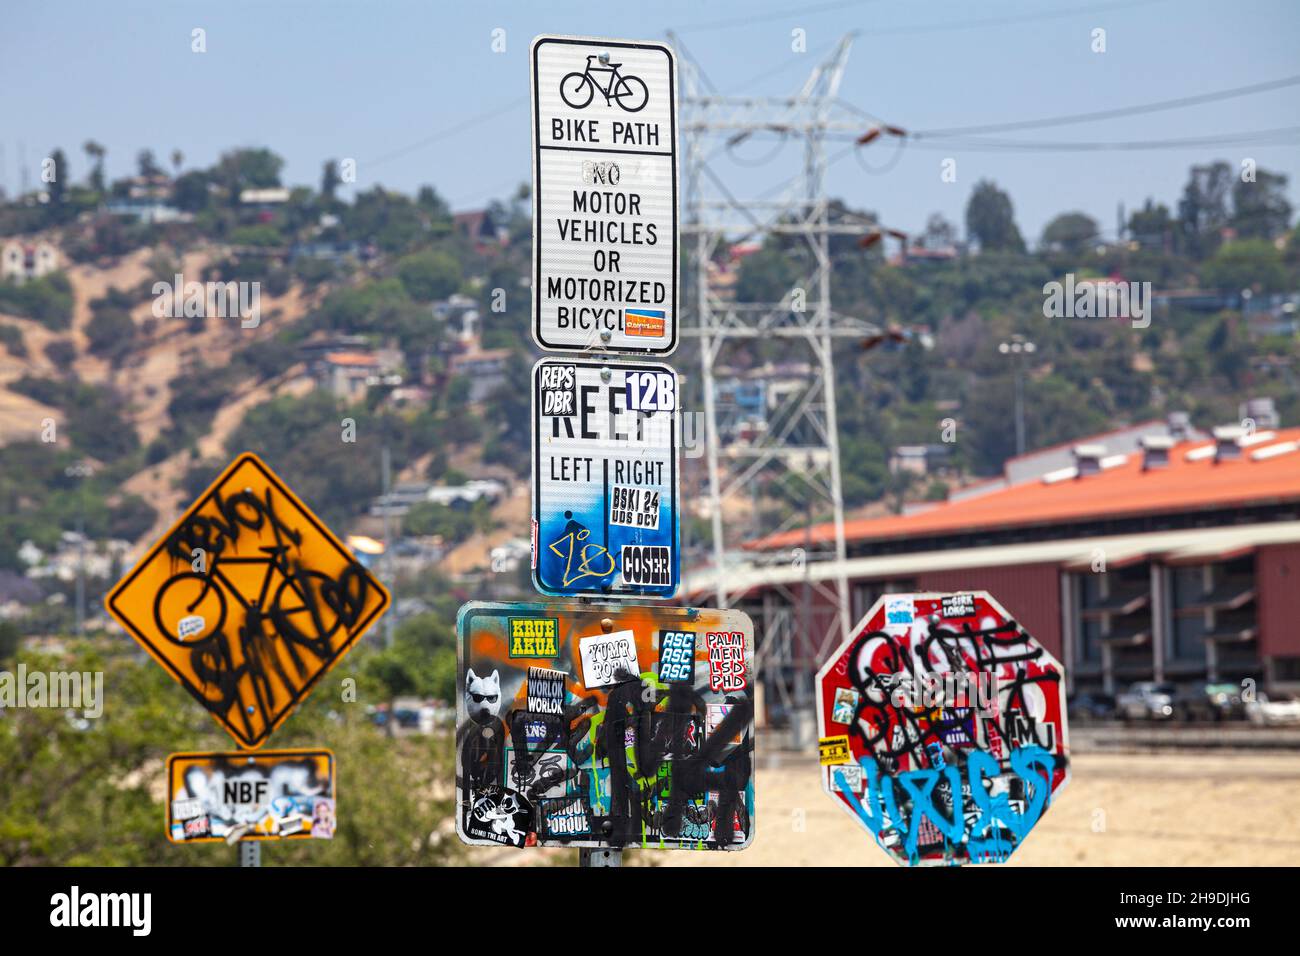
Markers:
{"x": 248, "y": 601}
{"x": 605, "y": 479}
{"x": 604, "y": 195}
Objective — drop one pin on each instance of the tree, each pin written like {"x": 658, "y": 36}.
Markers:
{"x": 247, "y": 169}
{"x": 1152, "y": 226}
{"x": 1203, "y": 210}
{"x": 429, "y": 275}
{"x": 329, "y": 179}
{"x": 111, "y": 333}
{"x": 1249, "y": 264}
{"x": 939, "y": 233}
{"x": 146, "y": 164}
{"x": 95, "y": 153}
{"x": 1071, "y": 232}
{"x": 58, "y": 186}
{"x": 990, "y": 219}
{"x": 178, "y": 159}
{"x": 190, "y": 191}
{"x": 1260, "y": 209}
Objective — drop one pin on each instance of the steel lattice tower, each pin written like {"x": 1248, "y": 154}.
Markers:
{"x": 801, "y": 440}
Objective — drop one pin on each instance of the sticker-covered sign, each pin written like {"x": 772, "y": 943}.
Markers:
{"x": 605, "y": 478}
{"x": 943, "y": 728}
{"x": 248, "y": 600}
{"x": 619, "y": 738}
{"x": 604, "y": 195}
{"x": 269, "y": 795}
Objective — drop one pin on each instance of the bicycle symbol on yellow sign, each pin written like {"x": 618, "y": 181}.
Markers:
{"x": 248, "y": 600}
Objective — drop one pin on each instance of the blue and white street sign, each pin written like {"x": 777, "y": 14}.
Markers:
{"x": 605, "y": 479}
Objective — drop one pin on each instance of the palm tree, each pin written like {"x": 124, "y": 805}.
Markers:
{"x": 96, "y": 154}
{"x": 177, "y": 159}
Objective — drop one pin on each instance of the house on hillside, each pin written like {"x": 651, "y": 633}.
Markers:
{"x": 20, "y": 261}
{"x": 478, "y": 226}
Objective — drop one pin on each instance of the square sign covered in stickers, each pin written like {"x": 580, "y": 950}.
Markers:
{"x": 605, "y": 479}
{"x": 616, "y": 739}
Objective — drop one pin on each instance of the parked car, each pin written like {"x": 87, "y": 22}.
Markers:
{"x": 1146, "y": 700}
{"x": 1212, "y": 702}
{"x": 1092, "y": 706}
{"x": 1264, "y": 711}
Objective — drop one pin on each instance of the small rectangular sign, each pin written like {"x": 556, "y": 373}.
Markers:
{"x": 625, "y": 736}
{"x": 833, "y": 750}
{"x": 605, "y": 479}
{"x": 268, "y": 795}
{"x": 604, "y": 195}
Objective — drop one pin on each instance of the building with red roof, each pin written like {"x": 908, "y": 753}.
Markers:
{"x": 1176, "y": 561}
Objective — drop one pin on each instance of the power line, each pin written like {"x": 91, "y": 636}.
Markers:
{"x": 1264, "y": 137}
{"x": 1159, "y": 105}
{"x": 769, "y": 17}
{"x": 449, "y": 131}
{"x": 1010, "y": 19}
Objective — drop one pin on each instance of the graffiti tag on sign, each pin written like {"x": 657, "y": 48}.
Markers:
{"x": 248, "y": 600}
{"x": 610, "y": 742}
{"x": 955, "y": 728}
{"x": 605, "y": 479}
{"x": 269, "y": 795}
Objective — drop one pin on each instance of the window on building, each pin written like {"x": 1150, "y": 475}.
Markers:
{"x": 1113, "y": 610}
{"x": 1215, "y": 618}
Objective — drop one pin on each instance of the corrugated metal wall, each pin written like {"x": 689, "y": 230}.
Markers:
{"x": 1277, "y": 576}
{"x": 1030, "y": 592}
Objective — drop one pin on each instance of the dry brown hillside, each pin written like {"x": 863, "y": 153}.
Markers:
{"x": 143, "y": 378}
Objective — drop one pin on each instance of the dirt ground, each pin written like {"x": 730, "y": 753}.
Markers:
{"x": 1160, "y": 809}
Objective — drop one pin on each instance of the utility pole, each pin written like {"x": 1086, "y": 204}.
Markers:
{"x": 1018, "y": 348}
{"x": 81, "y": 471}
{"x": 801, "y": 440}
{"x": 385, "y": 468}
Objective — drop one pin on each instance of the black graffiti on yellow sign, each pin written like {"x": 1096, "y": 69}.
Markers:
{"x": 248, "y": 600}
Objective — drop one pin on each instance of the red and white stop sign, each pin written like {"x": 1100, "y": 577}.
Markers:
{"x": 942, "y": 728}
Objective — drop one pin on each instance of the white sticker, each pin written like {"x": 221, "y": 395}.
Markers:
{"x": 899, "y": 610}
{"x": 609, "y": 659}
{"x": 189, "y": 626}
{"x": 634, "y": 507}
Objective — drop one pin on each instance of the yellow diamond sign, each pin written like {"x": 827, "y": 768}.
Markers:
{"x": 248, "y": 600}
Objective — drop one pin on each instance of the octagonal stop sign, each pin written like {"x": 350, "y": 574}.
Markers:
{"x": 942, "y": 728}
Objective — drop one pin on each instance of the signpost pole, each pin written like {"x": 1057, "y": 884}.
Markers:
{"x": 250, "y": 852}
{"x": 595, "y": 856}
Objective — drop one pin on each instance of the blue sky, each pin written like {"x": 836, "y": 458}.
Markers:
{"x": 375, "y": 81}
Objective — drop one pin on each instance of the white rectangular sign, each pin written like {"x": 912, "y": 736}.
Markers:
{"x": 605, "y": 487}
{"x": 604, "y": 195}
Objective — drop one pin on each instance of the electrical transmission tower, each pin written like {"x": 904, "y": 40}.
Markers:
{"x": 797, "y": 447}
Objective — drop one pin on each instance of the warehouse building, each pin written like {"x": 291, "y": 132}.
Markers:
{"x": 1176, "y": 561}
